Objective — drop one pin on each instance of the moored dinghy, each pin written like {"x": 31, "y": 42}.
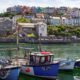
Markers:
{"x": 41, "y": 64}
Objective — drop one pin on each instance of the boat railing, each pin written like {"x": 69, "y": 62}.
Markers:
{"x": 4, "y": 62}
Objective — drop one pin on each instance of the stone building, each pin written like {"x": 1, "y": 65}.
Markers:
{"x": 39, "y": 28}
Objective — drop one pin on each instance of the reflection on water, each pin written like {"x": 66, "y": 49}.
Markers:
{"x": 66, "y": 75}
{"x": 70, "y": 75}
{"x": 77, "y": 74}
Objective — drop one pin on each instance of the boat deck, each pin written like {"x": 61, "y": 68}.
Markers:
{"x": 15, "y": 63}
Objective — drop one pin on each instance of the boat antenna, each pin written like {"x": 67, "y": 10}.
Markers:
{"x": 40, "y": 49}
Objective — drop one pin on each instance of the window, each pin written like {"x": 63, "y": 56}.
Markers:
{"x": 42, "y": 29}
{"x": 42, "y": 59}
{"x": 37, "y": 59}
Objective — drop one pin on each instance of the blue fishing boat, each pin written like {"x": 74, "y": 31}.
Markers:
{"x": 41, "y": 64}
{"x": 9, "y": 73}
{"x": 10, "y": 70}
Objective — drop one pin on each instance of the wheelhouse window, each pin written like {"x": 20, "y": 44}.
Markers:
{"x": 52, "y": 57}
{"x": 37, "y": 59}
{"x": 42, "y": 59}
{"x": 32, "y": 59}
{"x": 47, "y": 59}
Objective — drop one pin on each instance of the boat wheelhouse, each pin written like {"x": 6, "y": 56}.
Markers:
{"x": 41, "y": 58}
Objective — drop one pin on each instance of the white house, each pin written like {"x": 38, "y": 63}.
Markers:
{"x": 56, "y": 21}
{"x": 41, "y": 29}
{"x": 73, "y": 21}
{"x": 75, "y": 12}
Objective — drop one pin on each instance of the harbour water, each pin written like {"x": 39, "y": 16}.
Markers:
{"x": 59, "y": 50}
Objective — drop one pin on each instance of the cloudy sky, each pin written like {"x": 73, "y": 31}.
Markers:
{"x": 55, "y": 3}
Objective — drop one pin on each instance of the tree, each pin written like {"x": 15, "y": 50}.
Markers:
{"x": 63, "y": 31}
{"x": 60, "y": 14}
{"x": 61, "y": 20}
{"x": 23, "y": 20}
{"x": 7, "y": 14}
{"x": 50, "y": 30}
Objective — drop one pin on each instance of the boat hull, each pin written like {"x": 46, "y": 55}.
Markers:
{"x": 9, "y": 73}
{"x": 49, "y": 71}
{"x": 77, "y": 64}
{"x": 67, "y": 65}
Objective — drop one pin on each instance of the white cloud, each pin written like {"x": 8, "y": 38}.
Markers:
{"x": 56, "y": 3}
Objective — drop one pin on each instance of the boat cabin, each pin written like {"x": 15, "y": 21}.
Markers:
{"x": 41, "y": 58}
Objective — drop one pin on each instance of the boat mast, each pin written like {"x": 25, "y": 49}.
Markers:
{"x": 17, "y": 37}
{"x": 40, "y": 49}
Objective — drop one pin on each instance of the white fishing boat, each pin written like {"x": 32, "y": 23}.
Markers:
{"x": 67, "y": 64}
{"x": 76, "y": 77}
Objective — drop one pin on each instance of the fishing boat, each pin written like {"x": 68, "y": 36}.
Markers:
{"x": 67, "y": 64}
{"x": 9, "y": 70}
{"x": 41, "y": 64}
{"x": 76, "y": 77}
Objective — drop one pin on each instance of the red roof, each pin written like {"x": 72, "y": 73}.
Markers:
{"x": 44, "y": 52}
